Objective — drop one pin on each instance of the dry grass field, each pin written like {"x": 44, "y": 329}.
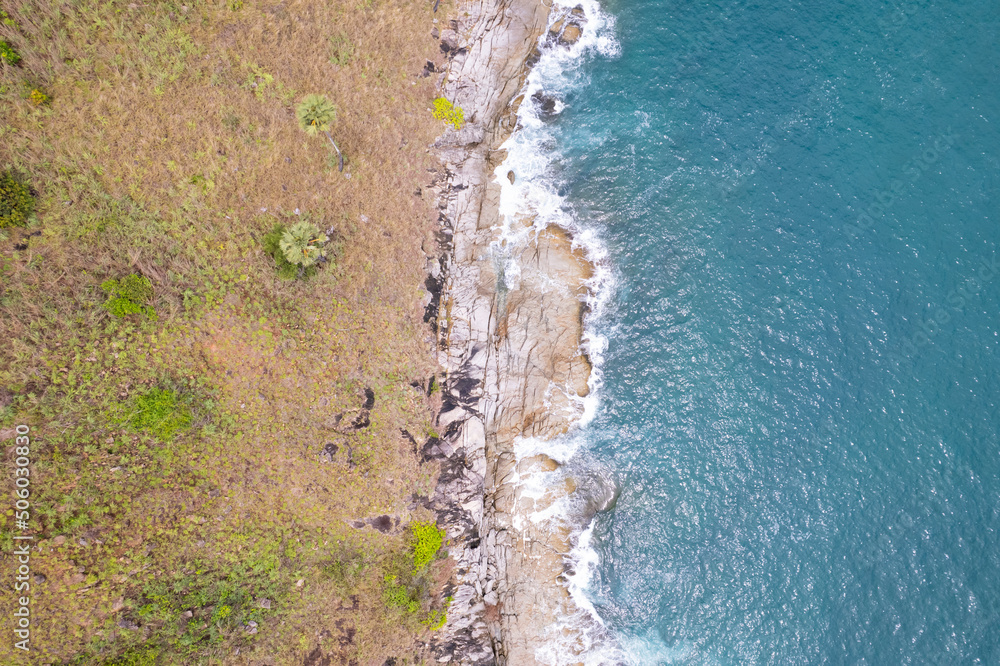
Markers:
{"x": 196, "y": 474}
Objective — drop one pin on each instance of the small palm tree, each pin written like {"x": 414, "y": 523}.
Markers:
{"x": 316, "y": 114}
{"x": 302, "y": 244}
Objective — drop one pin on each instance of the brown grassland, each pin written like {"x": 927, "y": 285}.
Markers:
{"x": 210, "y": 527}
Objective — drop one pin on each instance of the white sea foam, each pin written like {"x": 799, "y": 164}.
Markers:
{"x": 531, "y": 153}
{"x": 650, "y": 649}
{"x": 580, "y": 636}
{"x": 527, "y": 206}
{"x": 585, "y": 561}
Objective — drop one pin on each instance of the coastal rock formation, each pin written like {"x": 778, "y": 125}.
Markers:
{"x": 514, "y": 368}
{"x": 568, "y": 28}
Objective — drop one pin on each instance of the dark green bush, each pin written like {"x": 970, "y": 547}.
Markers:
{"x": 8, "y": 54}
{"x": 272, "y": 246}
{"x": 16, "y": 201}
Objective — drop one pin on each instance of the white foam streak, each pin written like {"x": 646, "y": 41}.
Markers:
{"x": 527, "y": 206}
{"x": 532, "y": 202}
{"x": 585, "y": 561}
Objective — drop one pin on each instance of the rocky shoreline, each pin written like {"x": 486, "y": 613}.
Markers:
{"x": 512, "y": 358}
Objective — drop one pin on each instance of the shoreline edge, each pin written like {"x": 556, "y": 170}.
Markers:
{"x": 513, "y": 362}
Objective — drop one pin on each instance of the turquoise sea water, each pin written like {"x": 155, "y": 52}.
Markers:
{"x": 800, "y": 410}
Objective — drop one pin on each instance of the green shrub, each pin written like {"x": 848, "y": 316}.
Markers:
{"x": 38, "y": 97}
{"x": 437, "y": 617}
{"x": 258, "y": 79}
{"x": 223, "y": 600}
{"x": 427, "y": 540}
{"x": 16, "y": 201}
{"x": 160, "y": 412}
{"x": 8, "y": 54}
{"x": 129, "y": 295}
{"x": 316, "y": 113}
{"x": 221, "y": 612}
{"x": 448, "y": 112}
{"x": 397, "y": 595}
{"x": 406, "y": 585}
{"x": 302, "y": 244}
{"x": 272, "y": 246}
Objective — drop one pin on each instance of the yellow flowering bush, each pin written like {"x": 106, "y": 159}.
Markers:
{"x": 38, "y": 98}
{"x": 448, "y": 112}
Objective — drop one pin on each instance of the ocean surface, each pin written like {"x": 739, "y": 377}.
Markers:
{"x": 796, "y": 210}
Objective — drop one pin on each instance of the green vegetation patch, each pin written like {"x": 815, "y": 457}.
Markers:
{"x": 406, "y": 586}
{"x": 162, "y": 441}
{"x": 8, "y": 54}
{"x": 345, "y": 570}
{"x": 315, "y": 113}
{"x": 204, "y": 606}
{"x": 160, "y": 412}
{"x": 438, "y": 616}
{"x": 427, "y": 541}
{"x": 296, "y": 249}
{"x": 129, "y": 295}
{"x": 38, "y": 97}
{"x": 404, "y": 597}
{"x": 272, "y": 246}
{"x": 222, "y": 605}
{"x": 302, "y": 244}
{"x": 16, "y": 202}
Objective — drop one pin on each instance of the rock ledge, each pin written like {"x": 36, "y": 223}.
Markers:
{"x": 512, "y": 359}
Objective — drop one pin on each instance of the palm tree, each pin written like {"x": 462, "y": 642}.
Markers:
{"x": 315, "y": 114}
{"x": 302, "y": 244}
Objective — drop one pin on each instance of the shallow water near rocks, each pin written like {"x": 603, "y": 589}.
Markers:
{"x": 799, "y": 402}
